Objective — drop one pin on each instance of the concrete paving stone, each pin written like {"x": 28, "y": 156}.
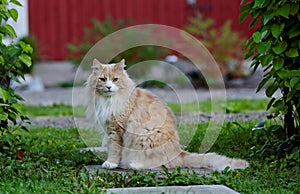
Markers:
{"x": 83, "y": 123}
{"x": 193, "y": 189}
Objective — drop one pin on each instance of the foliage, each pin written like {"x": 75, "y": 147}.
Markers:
{"x": 275, "y": 47}
{"x": 34, "y": 55}
{"x": 271, "y": 140}
{"x": 13, "y": 58}
{"x": 224, "y": 44}
{"x": 99, "y": 30}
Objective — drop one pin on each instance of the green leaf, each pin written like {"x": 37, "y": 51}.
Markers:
{"x": 246, "y": 7}
{"x": 243, "y": 16}
{"x": 278, "y": 63}
{"x": 26, "y": 47}
{"x": 294, "y": 81}
{"x": 248, "y": 43}
{"x": 264, "y": 34}
{"x": 268, "y": 17}
{"x": 2, "y": 61}
{"x": 293, "y": 34}
{"x": 263, "y": 47}
{"x": 291, "y": 95}
{"x": 294, "y": 9}
{"x": 293, "y": 52}
{"x": 19, "y": 108}
{"x": 270, "y": 103}
{"x": 259, "y": 3}
{"x": 284, "y": 11}
{"x": 297, "y": 86}
{"x": 249, "y": 54}
{"x": 256, "y": 36}
{"x": 3, "y": 116}
{"x": 9, "y": 30}
{"x": 271, "y": 89}
{"x": 276, "y": 29}
{"x": 279, "y": 47}
{"x": 13, "y": 13}
{"x": 266, "y": 59}
{"x": 287, "y": 83}
{"x": 283, "y": 74}
{"x": 25, "y": 59}
{"x": 262, "y": 83}
{"x": 13, "y": 51}
{"x": 16, "y": 2}
{"x": 4, "y": 94}
{"x": 253, "y": 22}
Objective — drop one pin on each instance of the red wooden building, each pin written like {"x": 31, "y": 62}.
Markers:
{"x": 55, "y": 23}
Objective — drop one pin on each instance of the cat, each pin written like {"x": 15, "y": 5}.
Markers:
{"x": 141, "y": 128}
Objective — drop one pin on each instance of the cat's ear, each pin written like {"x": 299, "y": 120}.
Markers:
{"x": 97, "y": 66}
{"x": 121, "y": 65}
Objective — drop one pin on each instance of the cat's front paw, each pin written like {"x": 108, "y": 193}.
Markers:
{"x": 109, "y": 165}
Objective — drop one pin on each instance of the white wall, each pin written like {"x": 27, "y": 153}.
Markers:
{"x": 21, "y": 26}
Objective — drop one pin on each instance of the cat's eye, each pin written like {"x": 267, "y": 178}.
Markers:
{"x": 102, "y": 79}
{"x": 115, "y": 79}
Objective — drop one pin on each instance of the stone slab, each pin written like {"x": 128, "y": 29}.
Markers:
{"x": 83, "y": 123}
{"x": 212, "y": 189}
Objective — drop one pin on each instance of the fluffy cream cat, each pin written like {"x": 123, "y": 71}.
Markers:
{"x": 141, "y": 128}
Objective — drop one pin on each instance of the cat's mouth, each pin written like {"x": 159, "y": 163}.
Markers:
{"x": 106, "y": 92}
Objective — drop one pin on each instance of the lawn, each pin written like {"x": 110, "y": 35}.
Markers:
{"x": 51, "y": 163}
{"x": 232, "y": 106}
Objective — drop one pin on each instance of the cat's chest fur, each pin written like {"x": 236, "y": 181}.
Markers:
{"x": 109, "y": 109}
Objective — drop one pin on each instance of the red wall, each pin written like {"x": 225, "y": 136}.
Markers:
{"x": 55, "y": 23}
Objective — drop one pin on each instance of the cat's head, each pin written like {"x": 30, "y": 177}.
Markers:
{"x": 108, "y": 79}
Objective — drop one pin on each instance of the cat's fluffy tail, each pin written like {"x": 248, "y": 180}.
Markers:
{"x": 212, "y": 161}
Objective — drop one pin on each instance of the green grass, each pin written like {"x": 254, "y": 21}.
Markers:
{"x": 51, "y": 163}
{"x": 54, "y": 110}
{"x": 233, "y": 106}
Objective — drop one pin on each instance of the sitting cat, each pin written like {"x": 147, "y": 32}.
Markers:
{"x": 141, "y": 128}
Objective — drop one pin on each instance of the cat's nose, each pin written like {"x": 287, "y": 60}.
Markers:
{"x": 108, "y": 87}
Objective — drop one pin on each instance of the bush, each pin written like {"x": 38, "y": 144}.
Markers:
{"x": 275, "y": 47}
{"x": 225, "y": 45}
{"x": 99, "y": 30}
{"x": 13, "y": 59}
{"x": 35, "y": 55}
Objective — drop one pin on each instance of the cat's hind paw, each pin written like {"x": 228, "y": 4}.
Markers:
{"x": 109, "y": 165}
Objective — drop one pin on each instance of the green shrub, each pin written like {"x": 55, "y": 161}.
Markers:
{"x": 13, "y": 59}
{"x": 275, "y": 47}
{"x": 224, "y": 44}
{"x": 100, "y": 29}
{"x": 34, "y": 55}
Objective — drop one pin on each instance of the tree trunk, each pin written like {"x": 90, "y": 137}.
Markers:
{"x": 289, "y": 124}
